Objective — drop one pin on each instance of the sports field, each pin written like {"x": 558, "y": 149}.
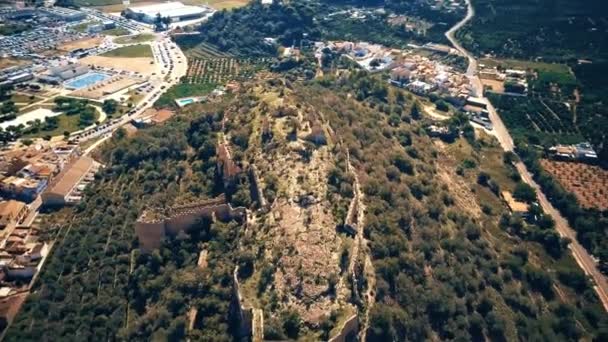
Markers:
{"x": 132, "y": 51}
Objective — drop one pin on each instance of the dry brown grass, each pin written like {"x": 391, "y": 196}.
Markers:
{"x": 136, "y": 64}
{"x": 9, "y": 62}
{"x": 497, "y": 86}
{"x": 85, "y": 43}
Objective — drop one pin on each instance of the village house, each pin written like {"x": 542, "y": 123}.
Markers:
{"x": 22, "y": 188}
{"x": 12, "y": 212}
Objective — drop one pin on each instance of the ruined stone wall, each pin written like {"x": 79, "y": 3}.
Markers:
{"x": 186, "y": 219}
{"x": 256, "y": 189}
{"x": 351, "y": 220}
{"x": 151, "y": 232}
{"x": 350, "y": 329}
{"x": 243, "y": 315}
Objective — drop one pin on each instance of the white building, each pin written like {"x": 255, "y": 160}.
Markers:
{"x": 419, "y": 87}
{"x": 174, "y": 10}
{"x": 66, "y": 14}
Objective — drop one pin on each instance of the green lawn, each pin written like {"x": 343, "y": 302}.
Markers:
{"x": 140, "y": 50}
{"x": 119, "y": 31}
{"x": 66, "y": 123}
{"x": 140, "y": 38}
{"x": 527, "y": 65}
{"x": 183, "y": 90}
{"x": 82, "y": 27}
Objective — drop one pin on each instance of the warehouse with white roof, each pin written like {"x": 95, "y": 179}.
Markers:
{"x": 174, "y": 10}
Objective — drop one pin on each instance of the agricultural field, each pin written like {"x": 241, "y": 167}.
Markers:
{"x": 589, "y": 183}
{"x": 539, "y": 121}
{"x": 554, "y": 80}
{"x": 526, "y": 65}
{"x": 206, "y": 64}
{"x": 220, "y": 70}
{"x": 204, "y": 50}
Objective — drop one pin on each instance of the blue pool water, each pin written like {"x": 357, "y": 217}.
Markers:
{"x": 86, "y": 80}
{"x": 184, "y": 102}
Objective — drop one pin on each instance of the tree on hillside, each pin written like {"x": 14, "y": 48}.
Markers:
{"x": 524, "y": 192}
{"x": 415, "y": 112}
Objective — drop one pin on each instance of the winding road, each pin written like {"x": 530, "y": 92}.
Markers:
{"x": 580, "y": 254}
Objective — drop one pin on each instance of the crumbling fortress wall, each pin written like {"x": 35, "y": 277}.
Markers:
{"x": 243, "y": 315}
{"x": 352, "y": 217}
{"x": 256, "y": 189}
{"x": 153, "y": 225}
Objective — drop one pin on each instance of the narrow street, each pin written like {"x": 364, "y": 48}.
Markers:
{"x": 583, "y": 258}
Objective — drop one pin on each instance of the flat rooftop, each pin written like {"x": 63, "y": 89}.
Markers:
{"x": 169, "y": 9}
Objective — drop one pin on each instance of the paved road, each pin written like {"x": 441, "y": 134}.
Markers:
{"x": 583, "y": 258}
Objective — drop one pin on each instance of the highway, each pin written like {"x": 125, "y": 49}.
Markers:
{"x": 583, "y": 258}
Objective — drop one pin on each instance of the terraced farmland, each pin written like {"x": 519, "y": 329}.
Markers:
{"x": 589, "y": 183}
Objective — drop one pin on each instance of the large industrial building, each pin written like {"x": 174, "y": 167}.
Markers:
{"x": 174, "y": 10}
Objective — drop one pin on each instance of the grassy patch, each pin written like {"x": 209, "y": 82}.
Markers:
{"x": 69, "y": 123}
{"x": 140, "y": 38}
{"x": 119, "y": 31}
{"x": 183, "y": 90}
{"x": 82, "y": 27}
{"x": 21, "y": 98}
{"x": 140, "y": 50}
{"x": 527, "y": 65}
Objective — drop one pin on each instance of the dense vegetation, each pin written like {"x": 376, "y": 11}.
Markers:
{"x": 442, "y": 271}
{"x": 590, "y": 224}
{"x": 450, "y": 261}
{"x": 242, "y": 31}
{"x": 96, "y": 286}
{"x": 565, "y": 106}
{"x": 554, "y": 30}
{"x": 534, "y": 120}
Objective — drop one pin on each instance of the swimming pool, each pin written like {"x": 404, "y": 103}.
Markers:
{"x": 85, "y": 80}
{"x": 185, "y": 101}
{"x": 188, "y": 100}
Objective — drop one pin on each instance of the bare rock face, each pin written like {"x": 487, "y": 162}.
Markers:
{"x": 298, "y": 231}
